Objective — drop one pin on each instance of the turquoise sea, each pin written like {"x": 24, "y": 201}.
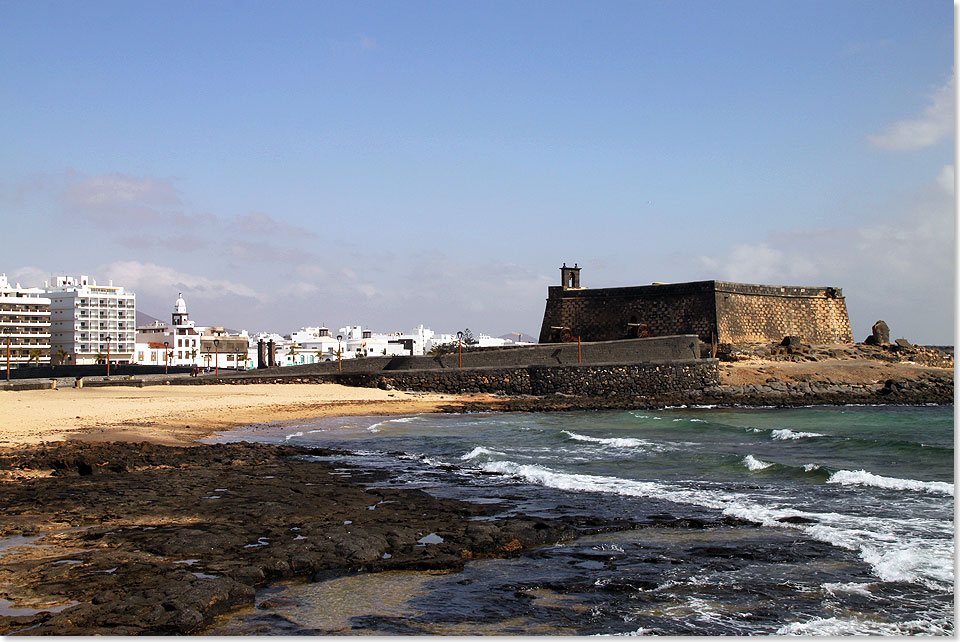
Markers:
{"x": 849, "y": 515}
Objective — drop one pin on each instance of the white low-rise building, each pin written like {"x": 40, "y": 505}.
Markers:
{"x": 24, "y": 326}
{"x": 182, "y": 343}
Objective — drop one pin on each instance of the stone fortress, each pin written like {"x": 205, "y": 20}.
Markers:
{"x": 715, "y": 311}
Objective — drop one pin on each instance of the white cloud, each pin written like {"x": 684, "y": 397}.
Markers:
{"x": 899, "y": 268}
{"x": 28, "y": 276}
{"x": 936, "y": 124}
{"x": 163, "y": 281}
{"x": 117, "y": 198}
{"x": 760, "y": 263}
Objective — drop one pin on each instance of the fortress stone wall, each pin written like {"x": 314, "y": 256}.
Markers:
{"x": 713, "y": 310}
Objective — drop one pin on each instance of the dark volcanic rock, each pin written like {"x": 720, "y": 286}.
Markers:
{"x": 158, "y": 540}
{"x": 881, "y": 334}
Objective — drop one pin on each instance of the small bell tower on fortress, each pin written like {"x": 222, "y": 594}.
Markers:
{"x": 570, "y": 276}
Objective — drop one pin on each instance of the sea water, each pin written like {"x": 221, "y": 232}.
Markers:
{"x": 848, "y": 513}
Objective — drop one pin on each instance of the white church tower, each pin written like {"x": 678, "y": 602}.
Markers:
{"x": 180, "y": 315}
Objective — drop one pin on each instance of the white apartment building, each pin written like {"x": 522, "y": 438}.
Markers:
{"x": 91, "y": 323}
{"x": 24, "y": 326}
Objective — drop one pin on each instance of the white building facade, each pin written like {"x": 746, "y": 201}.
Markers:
{"x": 24, "y": 326}
{"x": 91, "y": 323}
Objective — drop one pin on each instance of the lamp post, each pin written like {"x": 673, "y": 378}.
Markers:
{"x": 339, "y": 353}
{"x": 108, "y": 355}
{"x": 459, "y": 349}
{"x": 8, "y": 357}
{"x": 166, "y": 358}
{"x": 563, "y": 327}
{"x": 216, "y": 358}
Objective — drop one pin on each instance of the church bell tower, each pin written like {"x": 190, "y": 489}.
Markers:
{"x": 180, "y": 315}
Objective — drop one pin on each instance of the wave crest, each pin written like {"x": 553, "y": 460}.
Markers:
{"x": 863, "y": 478}
{"x": 786, "y": 433}
{"x": 753, "y": 463}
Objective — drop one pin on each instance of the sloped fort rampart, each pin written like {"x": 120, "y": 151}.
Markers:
{"x": 718, "y": 311}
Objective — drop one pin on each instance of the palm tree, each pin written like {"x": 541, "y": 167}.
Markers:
{"x": 193, "y": 354}
{"x": 99, "y": 356}
{"x": 293, "y": 354}
{"x": 35, "y": 354}
{"x": 62, "y": 356}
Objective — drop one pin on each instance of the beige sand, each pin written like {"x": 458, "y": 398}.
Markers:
{"x": 182, "y": 414}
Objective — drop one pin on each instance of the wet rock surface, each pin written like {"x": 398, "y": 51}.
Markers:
{"x": 125, "y": 539}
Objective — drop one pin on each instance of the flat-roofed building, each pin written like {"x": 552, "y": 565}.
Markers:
{"x": 24, "y": 326}
{"x": 91, "y": 323}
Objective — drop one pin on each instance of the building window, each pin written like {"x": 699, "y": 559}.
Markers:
{"x": 179, "y": 354}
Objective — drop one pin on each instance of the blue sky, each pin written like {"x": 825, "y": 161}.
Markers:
{"x": 397, "y": 163}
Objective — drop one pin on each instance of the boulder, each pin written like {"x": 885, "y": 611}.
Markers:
{"x": 790, "y": 341}
{"x": 903, "y": 343}
{"x": 880, "y": 336}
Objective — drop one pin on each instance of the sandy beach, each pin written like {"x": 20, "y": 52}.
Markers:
{"x": 179, "y": 415}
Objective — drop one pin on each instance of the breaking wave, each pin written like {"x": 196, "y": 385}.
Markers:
{"x": 619, "y": 442}
{"x": 785, "y": 434}
{"x": 752, "y": 463}
{"x": 863, "y": 478}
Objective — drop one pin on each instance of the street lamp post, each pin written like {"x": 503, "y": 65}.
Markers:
{"x": 8, "y": 357}
{"x": 166, "y": 358}
{"x": 339, "y": 353}
{"x": 216, "y": 358}
{"x": 563, "y": 327}
{"x": 108, "y": 355}
{"x": 459, "y": 349}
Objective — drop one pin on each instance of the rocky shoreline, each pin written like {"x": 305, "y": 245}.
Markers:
{"x": 935, "y": 389}
{"x": 129, "y": 539}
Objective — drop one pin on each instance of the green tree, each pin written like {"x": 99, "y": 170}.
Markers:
{"x": 468, "y": 339}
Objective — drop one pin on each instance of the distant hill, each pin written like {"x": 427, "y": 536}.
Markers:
{"x": 522, "y": 337}
{"x": 145, "y": 319}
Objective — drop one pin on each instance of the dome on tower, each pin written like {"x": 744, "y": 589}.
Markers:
{"x": 181, "y": 306}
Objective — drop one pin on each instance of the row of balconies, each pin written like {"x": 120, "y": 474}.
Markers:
{"x": 23, "y": 321}
{"x": 21, "y": 333}
{"x": 103, "y": 348}
{"x": 20, "y": 309}
{"x": 32, "y": 343}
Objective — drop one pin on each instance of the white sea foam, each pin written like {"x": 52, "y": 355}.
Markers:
{"x": 618, "y": 442}
{"x": 790, "y": 434}
{"x": 396, "y": 420}
{"x": 478, "y": 451}
{"x": 860, "y": 588}
{"x": 863, "y": 478}
{"x": 836, "y": 626}
{"x": 811, "y": 467}
{"x": 753, "y": 463}
{"x": 291, "y": 436}
{"x": 890, "y": 545}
